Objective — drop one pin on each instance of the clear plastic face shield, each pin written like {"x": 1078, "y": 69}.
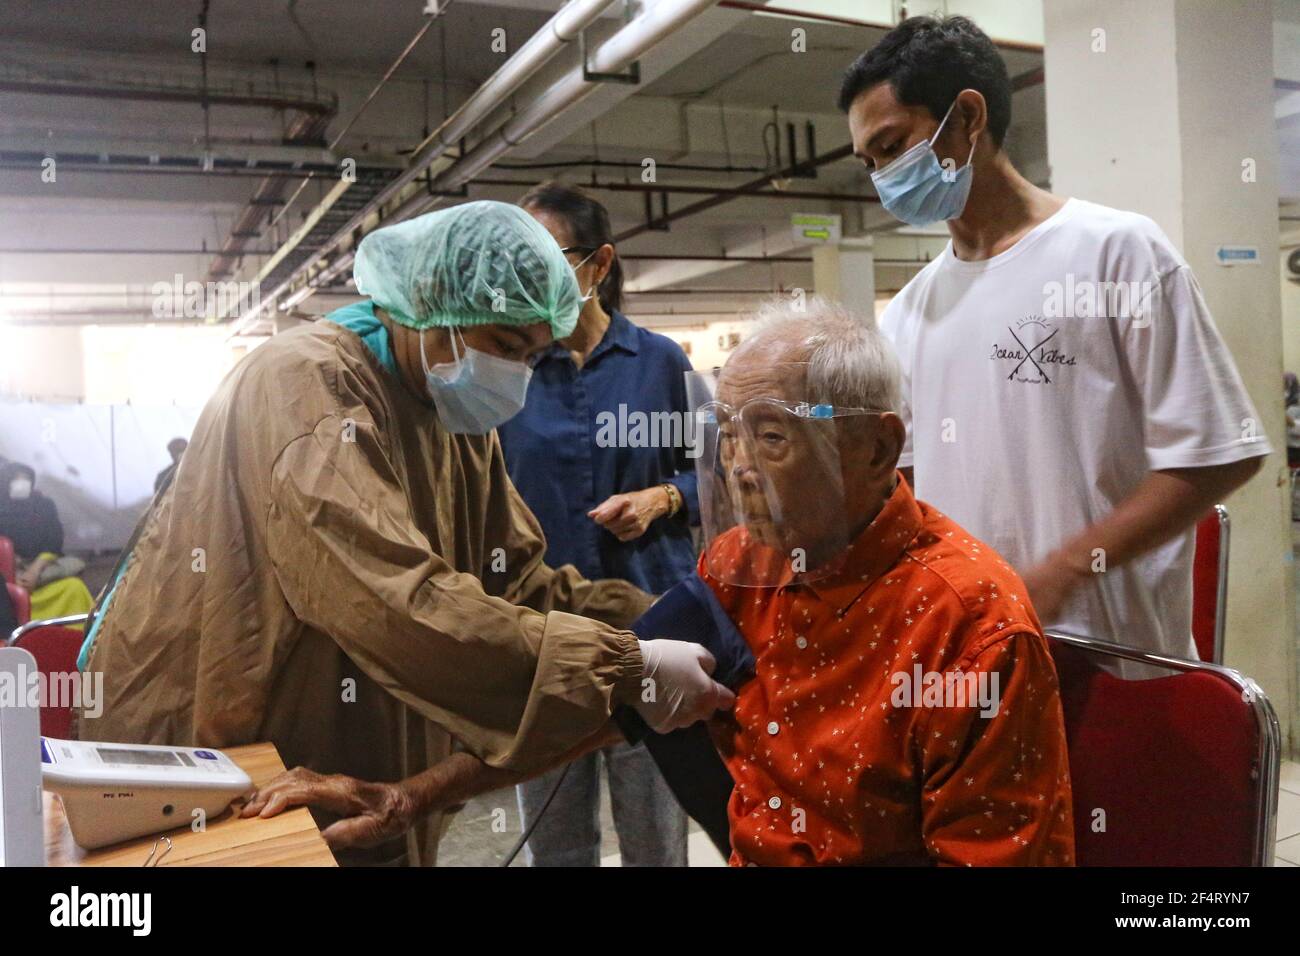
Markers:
{"x": 773, "y": 505}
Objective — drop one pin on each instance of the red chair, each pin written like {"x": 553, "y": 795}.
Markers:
{"x": 8, "y": 568}
{"x": 21, "y": 600}
{"x": 1210, "y": 584}
{"x": 55, "y": 648}
{"x": 1176, "y": 771}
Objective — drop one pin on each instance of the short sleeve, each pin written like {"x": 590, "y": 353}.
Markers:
{"x": 1197, "y": 412}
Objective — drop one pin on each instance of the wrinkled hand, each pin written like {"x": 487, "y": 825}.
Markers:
{"x": 627, "y": 516}
{"x": 372, "y": 812}
{"x": 677, "y": 690}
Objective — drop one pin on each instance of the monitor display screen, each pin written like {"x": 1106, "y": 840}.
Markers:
{"x": 138, "y": 758}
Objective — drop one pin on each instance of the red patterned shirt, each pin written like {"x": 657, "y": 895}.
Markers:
{"x": 904, "y": 711}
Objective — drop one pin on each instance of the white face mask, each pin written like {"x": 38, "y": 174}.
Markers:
{"x": 587, "y": 297}
{"x": 476, "y": 392}
{"x": 20, "y": 489}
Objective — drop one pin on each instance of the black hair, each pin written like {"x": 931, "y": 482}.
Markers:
{"x": 11, "y": 470}
{"x": 588, "y": 222}
{"x": 928, "y": 61}
{"x": 16, "y": 469}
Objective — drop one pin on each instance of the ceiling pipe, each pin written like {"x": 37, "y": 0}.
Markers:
{"x": 447, "y": 181}
{"x": 274, "y": 101}
{"x": 50, "y": 251}
{"x": 695, "y": 190}
{"x": 1033, "y": 77}
{"x": 724, "y": 258}
{"x": 135, "y": 318}
{"x": 328, "y": 275}
{"x": 558, "y": 32}
{"x": 852, "y": 22}
{"x": 182, "y": 166}
{"x": 555, "y": 35}
{"x": 651, "y": 257}
{"x": 750, "y": 188}
{"x": 614, "y": 55}
{"x": 693, "y": 291}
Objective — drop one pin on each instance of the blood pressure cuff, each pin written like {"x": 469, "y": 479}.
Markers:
{"x": 689, "y": 611}
{"x": 687, "y": 758}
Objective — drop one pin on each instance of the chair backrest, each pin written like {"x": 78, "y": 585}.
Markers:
{"x": 1174, "y": 771}
{"x": 55, "y": 648}
{"x": 21, "y": 600}
{"x": 8, "y": 568}
{"x": 1210, "y": 584}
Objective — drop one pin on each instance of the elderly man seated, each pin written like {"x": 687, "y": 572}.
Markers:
{"x": 903, "y": 707}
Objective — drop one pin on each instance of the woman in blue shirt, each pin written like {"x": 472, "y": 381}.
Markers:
{"x": 614, "y": 490}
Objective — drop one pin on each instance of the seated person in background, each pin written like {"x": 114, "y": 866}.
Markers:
{"x": 31, "y": 521}
{"x": 8, "y": 614}
{"x": 905, "y": 706}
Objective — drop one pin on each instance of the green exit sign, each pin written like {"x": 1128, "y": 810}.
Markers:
{"x": 807, "y": 227}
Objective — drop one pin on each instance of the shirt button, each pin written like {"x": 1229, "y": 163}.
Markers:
{"x": 773, "y": 728}
{"x": 801, "y": 642}
{"x": 774, "y": 803}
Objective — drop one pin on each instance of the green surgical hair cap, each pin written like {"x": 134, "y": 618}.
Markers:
{"x": 479, "y": 263}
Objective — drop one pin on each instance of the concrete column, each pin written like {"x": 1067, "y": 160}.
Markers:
{"x": 1166, "y": 107}
{"x": 846, "y": 271}
{"x": 1290, "y": 312}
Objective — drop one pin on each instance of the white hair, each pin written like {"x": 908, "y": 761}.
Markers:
{"x": 849, "y": 361}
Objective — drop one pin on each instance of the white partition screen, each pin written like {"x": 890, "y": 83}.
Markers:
{"x": 97, "y": 462}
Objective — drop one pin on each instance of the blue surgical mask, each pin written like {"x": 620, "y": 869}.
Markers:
{"x": 918, "y": 190}
{"x": 476, "y": 392}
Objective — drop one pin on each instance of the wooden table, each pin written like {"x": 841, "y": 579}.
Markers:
{"x": 290, "y": 839}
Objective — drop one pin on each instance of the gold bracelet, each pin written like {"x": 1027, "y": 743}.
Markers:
{"x": 674, "y": 498}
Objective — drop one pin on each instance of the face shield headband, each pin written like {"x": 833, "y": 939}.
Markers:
{"x": 773, "y": 506}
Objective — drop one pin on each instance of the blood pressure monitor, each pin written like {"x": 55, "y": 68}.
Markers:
{"x": 113, "y": 792}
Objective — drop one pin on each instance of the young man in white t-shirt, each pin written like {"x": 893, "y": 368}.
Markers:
{"x": 1068, "y": 398}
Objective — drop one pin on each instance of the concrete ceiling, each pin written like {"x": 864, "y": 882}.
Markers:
{"x": 710, "y": 107}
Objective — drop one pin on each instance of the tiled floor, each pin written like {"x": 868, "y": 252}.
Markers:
{"x": 486, "y": 830}
{"x": 1288, "y": 816}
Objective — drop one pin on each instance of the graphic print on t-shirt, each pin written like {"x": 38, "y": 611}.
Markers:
{"x": 1035, "y": 353}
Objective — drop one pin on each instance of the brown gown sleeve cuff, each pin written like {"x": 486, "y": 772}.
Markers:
{"x": 628, "y": 669}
